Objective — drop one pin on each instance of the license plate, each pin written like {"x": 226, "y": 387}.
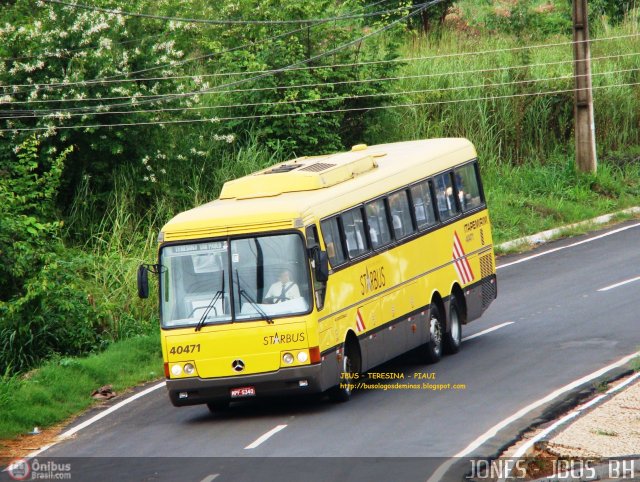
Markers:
{"x": 243, "y": 392}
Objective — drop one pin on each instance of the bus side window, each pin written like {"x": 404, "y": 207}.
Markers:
{"x": 423, "y": 205}
{"x": 402, "y": 223}
{"x": 379, "y": 231}
{"x": 446, "y": 201}
{"x": 333, "y": 241}
{"x": 468, "y": 187}
{"x": 354, "y": 232}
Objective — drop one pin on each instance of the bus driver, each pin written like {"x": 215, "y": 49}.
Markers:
{"x": 282, "y": 290}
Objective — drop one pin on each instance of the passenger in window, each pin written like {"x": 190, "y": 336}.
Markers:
{"x": 461, "y": 189}
{"x": 373, "y": 219}
{"x": 328, "y": 241}
{"x": 355, "y": 243}
{"x": 397, "y": 224}
{"x": 373, "y": 234}
{"x": 451, "y": 204}
{"x": 421, "y": 214}
{"x": 282, "y": 290}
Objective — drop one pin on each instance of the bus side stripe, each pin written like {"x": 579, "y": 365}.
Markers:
{"x": 459, "y": 261}
{"x": 462, "y": 258}
{"x": 410, "y": 280}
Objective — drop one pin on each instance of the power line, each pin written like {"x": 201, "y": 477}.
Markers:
{"x": 218, "y": 22}
{"x": 417, "y": 9}
{"x": 312, "y": 67}
{"x": 318, "y": 112}
{"x": 319, "y": 84}
{"x": 62, "y": 114}
{"x": 115, "y": 78}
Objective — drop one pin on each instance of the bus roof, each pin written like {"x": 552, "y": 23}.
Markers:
{"x": 293, "y": 193}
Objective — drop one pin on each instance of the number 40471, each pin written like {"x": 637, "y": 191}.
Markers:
{"x": 179, "y": 350}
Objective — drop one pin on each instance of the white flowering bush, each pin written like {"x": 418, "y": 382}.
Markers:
{"x": 63, "y": 67}
{"x": 60, "y": 65}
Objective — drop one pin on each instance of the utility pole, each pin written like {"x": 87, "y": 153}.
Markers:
{"x": 585, "y": 129}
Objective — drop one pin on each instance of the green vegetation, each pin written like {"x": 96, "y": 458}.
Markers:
{"x": 535, "y": 197}
{"x": 61, "y": 386}
{"x": 81, "y": 208}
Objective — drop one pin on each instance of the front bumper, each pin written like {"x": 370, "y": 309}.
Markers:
{"x": 282, "y": 382}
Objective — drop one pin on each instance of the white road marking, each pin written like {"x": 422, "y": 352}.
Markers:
{"x": 545, "y": 236}
{"x": 620, "y": 386}
{"x": 526, "y": 446}
{"x": 610, "y": 287}
{"x": 488, "y": 330}
{"x": 492, "y": 432}
{"x": 95, "y": 418}
{"x": 522, "y": 450}
{"x": 265, "y": 436}
{"x": 572, "y": 245}
{"x": 209, "y": 478}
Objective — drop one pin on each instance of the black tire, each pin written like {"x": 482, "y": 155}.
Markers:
{"x": 453, "y": 338}
{"x": 434, "y": 346}
{"x": 218, "y": 406}
{"x": 351, "y": 365}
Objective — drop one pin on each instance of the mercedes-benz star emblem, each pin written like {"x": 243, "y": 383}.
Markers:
{"x": 237, "y": 365}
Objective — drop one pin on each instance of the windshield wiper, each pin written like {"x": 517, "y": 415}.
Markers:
{"x": 253, "y": 303}
{"x": 214, "y": 300}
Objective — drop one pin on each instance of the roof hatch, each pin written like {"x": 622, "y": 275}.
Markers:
{"x": 303, "y": 174}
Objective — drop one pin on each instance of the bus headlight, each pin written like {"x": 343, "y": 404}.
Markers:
{"x": 302, "y": 356}
{"x": 176, "y": 370}
{"x": 287, "y": 358}
{"x": 189, "y": 368}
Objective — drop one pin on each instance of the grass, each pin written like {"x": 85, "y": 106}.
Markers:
{"x": 488, "y": 98}
{"x": 62, "y": 387}
{"x": 527, "y": 199}
{"x": 601, "y": 387}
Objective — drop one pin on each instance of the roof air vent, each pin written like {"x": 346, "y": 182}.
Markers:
{"x": 318, "y": 167}
{"x": 283, "y": 168}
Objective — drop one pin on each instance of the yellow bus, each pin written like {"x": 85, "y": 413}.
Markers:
{"x": 305, "y": 274}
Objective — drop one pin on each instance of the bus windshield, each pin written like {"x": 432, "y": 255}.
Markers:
{"x": 268, "y": 275}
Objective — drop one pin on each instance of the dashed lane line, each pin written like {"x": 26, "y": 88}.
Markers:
{"x": 264, "y": 437}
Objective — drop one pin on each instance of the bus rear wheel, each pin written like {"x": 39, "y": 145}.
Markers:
{"x": 351, "y": 364}
{"x": 453, "y": 339}
{"x": 433, "y": 347}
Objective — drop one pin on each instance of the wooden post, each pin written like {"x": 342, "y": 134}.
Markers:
{"x": 583, "y": 105}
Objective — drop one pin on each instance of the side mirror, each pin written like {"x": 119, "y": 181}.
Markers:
{"x": 321, "y": 264}
{"x": 143, "y": 281}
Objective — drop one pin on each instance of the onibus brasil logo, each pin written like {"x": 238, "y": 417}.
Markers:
{"x": 23, "y": 469}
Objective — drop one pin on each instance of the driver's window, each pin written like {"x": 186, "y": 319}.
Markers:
{"x": 319, "y": 288}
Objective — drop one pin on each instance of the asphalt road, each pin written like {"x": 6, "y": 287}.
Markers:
{"x": 563, "y": 329}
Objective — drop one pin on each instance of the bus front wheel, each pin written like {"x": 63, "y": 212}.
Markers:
{"x": 433, "y": 347}
{"x": 350, "y": 370}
